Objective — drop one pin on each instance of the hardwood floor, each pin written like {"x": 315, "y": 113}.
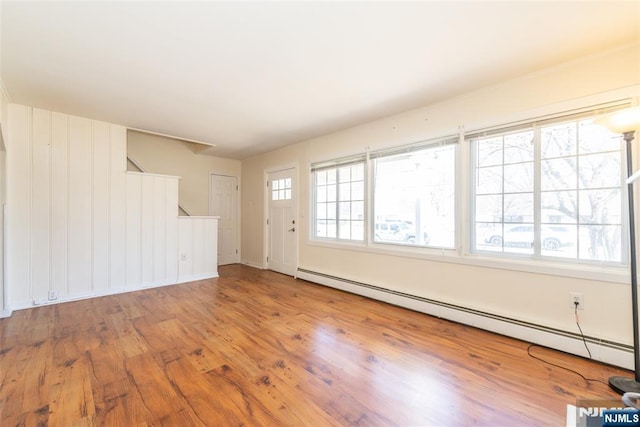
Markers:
{"x": 257, "y": 348}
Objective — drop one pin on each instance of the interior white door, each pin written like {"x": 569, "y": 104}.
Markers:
{"x": 281, "y": 220}
{"x": 223, "y": 202}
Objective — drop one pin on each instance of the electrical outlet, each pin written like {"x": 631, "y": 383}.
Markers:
{"x": 577, "y": 297}
{"x": 183, "y": 257}
{"x": 53, "y": 295}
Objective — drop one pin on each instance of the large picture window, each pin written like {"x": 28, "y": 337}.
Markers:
{"x": 550, "y": 190}
{"x": 414, "y": 195}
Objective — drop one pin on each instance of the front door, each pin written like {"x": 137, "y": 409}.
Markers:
{"x": 281, "y": 222}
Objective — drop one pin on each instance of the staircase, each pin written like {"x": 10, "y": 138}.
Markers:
{"x": 133, "y": 166}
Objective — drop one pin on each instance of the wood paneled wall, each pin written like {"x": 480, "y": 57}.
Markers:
{"x": 79, "y": 224}
{"x": 198, "y": 255}
{"x": 151, "y": 230}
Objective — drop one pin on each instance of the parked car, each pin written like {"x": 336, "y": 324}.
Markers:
{"x": 554, "y": 237}
{"x": 398, "y": 231}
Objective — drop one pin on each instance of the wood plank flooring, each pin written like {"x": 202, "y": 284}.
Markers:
{"x": 257, "y": 348}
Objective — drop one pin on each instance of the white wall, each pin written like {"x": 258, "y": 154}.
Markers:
{"x": 198, "y": 248}
{"x": 4, "y": 99}
{"x": 539, "y": 294}
{"x": 151, "y": 230}
{"x": 3, "y": 179}
{"x": 163, "y": 155}
{"x": 77, "y": 222}
{"x": 64, "y": 172}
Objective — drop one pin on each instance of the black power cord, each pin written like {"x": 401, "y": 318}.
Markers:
{"x": 561, "y": 367}
{"x": 564, "y": 367}
{"x": 575, "y": 303}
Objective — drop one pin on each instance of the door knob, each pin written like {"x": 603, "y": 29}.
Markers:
{"x": 292, "y": 229}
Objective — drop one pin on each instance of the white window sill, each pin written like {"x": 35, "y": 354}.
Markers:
{"x": 587, "y": 271}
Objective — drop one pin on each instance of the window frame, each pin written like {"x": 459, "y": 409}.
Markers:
{"x": 331, "y": 165}
{"x": 464, "y": 202}
{"x": 368, "y": 159}
{"x": 535, "y": 126}
{"x": 450, "y": 140}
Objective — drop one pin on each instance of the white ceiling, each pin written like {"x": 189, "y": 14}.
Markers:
{"x": 253, "y": 76}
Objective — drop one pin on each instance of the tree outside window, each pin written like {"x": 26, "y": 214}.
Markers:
{"x": 553, "y": 191}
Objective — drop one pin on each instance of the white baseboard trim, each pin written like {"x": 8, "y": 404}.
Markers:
{"x": 613, "y": 353}
{"x": 251, "y": 264}
{"x": 195, "y": 277}
{"x": 149, "y": 285}
{"x": 5, "y": 313}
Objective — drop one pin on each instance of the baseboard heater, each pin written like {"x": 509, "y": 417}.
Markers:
{"x": 610, "y": 352}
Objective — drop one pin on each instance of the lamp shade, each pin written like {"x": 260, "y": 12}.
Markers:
{"x": 622, "y": 121}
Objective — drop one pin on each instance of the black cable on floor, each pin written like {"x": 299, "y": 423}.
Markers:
{"x": 561, "y": 367}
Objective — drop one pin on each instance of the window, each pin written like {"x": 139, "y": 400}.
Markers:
{"x": 414, "y": 195}
{"x": 339, "y": 200}
{"x": 281, "y": 189}
{"x": 550, "y": 190}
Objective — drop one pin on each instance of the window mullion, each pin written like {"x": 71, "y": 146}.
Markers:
{"x": 337, "y": 216}
{"x": 502, "y": 221}
{"x": 537, "y": 191}
{"x": 471, "y": 195}
{"x": 368, "y": 199}
{"x": 579, "y": 194}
